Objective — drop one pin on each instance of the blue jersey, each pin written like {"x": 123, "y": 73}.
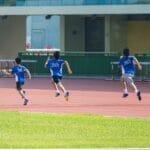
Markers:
{"x": 18, "y": 71}
{"x": 55, "y": 67}
{"x": 127, "y": 64}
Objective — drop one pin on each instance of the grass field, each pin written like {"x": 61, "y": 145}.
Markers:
{"x": 41, "y": 130}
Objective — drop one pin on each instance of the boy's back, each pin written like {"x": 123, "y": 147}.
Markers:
{"x": 55, "y": 66}
{"x": 18, "y": 71}
{"x": 127, "y": 63}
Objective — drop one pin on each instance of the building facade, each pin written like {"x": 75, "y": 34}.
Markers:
{"x": 75, "y": 25}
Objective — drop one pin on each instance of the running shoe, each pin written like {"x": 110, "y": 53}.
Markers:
{"x": 139, "y": 95}
{"x": 24, "y": 92}
{"x": 66, "y": 96}
{"x": 25, "y": 102}
{"x": 125, "y": 95}
{"x": 57, "y": 94}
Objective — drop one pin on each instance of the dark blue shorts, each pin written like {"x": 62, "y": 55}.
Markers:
{"x": 19, "y": 85}
{"x": 57, "y": 79}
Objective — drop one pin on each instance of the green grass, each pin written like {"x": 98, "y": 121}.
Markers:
{"x": 40, "y": 130}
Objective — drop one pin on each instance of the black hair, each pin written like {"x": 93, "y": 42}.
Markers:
{"x": 18, "y": 60}
{"x": 126, "y": 52}
{"x": 56, "y": 55}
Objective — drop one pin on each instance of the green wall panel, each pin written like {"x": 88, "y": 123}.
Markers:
{"x": 83, "y": 64}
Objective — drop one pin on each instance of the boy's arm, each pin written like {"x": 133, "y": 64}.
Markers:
{"x": 68, "y": 67}
{"x": 45, "y": 65}
{"x": 28, "y": 72}
{"x": 6, "y": 72}
{"x": 137, "y": 63}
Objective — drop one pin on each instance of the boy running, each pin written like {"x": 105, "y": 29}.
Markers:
{"x": 55, "y": 65}
{"x": 127, "y": 63}
{"x": 19, "y": 71}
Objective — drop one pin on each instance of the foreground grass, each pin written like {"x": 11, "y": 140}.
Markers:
{"x": 30, "y": 130}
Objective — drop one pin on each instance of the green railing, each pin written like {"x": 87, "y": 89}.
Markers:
{"x": 83, "y": 63}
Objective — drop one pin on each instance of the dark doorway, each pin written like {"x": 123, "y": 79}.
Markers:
{"x": 95, "y": 34}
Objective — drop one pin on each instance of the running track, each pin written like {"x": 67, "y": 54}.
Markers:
{"x": 86, "y": 96}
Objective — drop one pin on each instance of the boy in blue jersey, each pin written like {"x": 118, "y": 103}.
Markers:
{"x": 55, "y": 65}
{"x": 127, "y": 64}
{"x": 19, "y": 71}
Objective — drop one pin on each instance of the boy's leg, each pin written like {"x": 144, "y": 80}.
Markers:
{"x": 58, "y": 84}
{"x": 56, "y": 88}
{"x": 125, "y": 92}
{"x": 138, "y": 93}
{"x": 132, "y": 84}
{"x": 21, "y": 92}
{"x": 125, "y": 89}
{"x": 61, "y": 87}
{"x": 66, "y": 93}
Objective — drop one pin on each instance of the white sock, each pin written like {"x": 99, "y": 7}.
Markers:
{"x": 136, "y": 91}
{"x": 57, "y": 91}
{"x": 126, "y": 91}
{"x": 65, "y": 93}
{"x": 25, "y": 98}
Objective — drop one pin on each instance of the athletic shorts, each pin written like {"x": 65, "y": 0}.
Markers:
{"x": 19, "y": 85}
{"x": 57, "y": 79}
{"x": 128, "y": 78}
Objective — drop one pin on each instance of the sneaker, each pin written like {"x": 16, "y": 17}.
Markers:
{"x": 139, "y": 95}
{"x": 57, "y": 94}
{"x": 125, "y": 95}
{"x": 25, "y": 102}
{"x": 66, "y": 96}
{"x": 24, "y": 92}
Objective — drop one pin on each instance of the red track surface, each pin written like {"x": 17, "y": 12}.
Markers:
{"x": 86, "y": 96}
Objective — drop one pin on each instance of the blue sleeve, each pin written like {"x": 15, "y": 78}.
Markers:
{"x": 132, "y": 58}
{"x": 24, "y": 68}
{"x": 48, "y": 64}
{"x": 13, "y": 70}
{"x": 120, "y": 61}
{"x": 62, "y": 61}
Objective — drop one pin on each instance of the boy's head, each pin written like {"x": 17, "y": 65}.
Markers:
{"x": 18, "y": 60}
{"x": 126, "y": 52}
{"x": 56, "y": 55}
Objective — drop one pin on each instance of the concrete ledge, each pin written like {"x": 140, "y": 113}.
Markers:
{"x": 76, "y": 10}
